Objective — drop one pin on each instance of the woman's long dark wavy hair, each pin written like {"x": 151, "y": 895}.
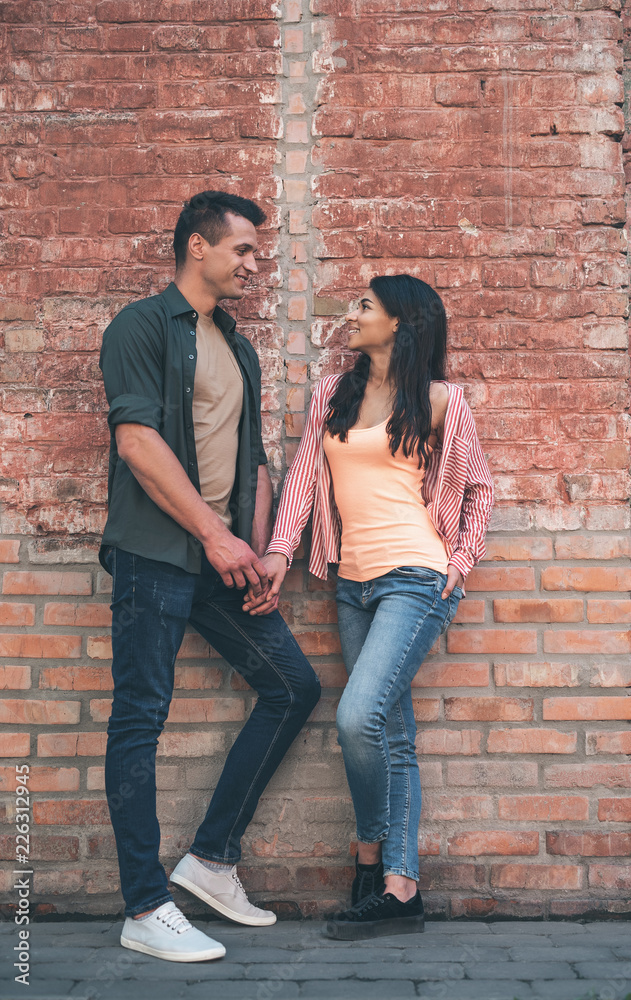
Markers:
{"x": 418, "y": 357}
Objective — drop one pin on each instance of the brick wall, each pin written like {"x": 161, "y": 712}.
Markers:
{"x": 474, "y": 143}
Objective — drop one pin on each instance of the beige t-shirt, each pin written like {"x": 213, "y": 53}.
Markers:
{"x": 217, "y": 406}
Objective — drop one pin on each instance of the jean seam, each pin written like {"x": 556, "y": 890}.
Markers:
{"x": 407, "y": 792}
{"x": 279, "y": 728}
{"x": 397, "y": 669}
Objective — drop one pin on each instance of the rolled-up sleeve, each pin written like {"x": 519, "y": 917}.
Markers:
{"x": 132, "y": 365}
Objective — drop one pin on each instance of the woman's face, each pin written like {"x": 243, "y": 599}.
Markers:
{"x": 371, "y": 327}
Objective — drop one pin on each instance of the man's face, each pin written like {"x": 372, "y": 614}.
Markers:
{"x": 228, "y": 266}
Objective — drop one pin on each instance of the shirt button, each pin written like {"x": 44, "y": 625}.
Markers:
{"x": 188, "y": 388}
{"x": 191, "y": 463}
{"x": 191, "y": 357}
{"x": 192, "y": 333}
{"x": 194, "y": 315}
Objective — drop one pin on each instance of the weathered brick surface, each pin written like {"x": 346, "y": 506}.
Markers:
{"x": 476, "y": 148}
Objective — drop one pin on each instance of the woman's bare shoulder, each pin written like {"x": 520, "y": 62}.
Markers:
{"x": 439, "y": 398}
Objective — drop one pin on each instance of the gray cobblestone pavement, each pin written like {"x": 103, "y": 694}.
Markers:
{"x": 507, "y": 960}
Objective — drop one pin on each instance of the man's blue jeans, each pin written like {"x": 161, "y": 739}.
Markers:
{"x": 387, "y": 627}
{"x": 151, "y": 604}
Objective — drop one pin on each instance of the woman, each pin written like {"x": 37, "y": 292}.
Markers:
{"x": 401, "y": 494}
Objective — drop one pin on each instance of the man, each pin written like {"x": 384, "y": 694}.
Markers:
{"x": 190, "y": 504}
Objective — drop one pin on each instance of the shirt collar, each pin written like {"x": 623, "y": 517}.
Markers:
{"x": 177, "y": 305}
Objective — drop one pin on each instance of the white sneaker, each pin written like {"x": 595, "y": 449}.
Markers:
{"x": 222, "y": 891}
{"x": 168, "y": 934}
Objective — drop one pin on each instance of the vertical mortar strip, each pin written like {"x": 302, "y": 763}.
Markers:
{"x": 296, "y": 242}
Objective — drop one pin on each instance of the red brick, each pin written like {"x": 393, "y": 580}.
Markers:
{"x": 426, "y": 709}
{"x": 71, "y": 744}
{"x": 536, "y": 610}
{"x": 318, "y": 643}
{"x": 501, "y": 578}
{"x": 616, "y": 742}
{"x": 587, "y": 641}
{"x": 478, "y": 641}
{"x": 610, "y": 876}
{"x": 66, "y": 812}
{"x": 543, "y": 807}
{"x": 452, "y": 674}
{"x": 588, "y": 775}
{"x": 9, "y": 551}
{"x": 517, "y": 549}
{"x": 593, "y": 547}
{"x": 609, "y": 612}
{"x": 15, "y": 744}
{"x": 38, "y": 646}
{"x": 90, "y": 615}
{"x": 589, "y": 843}
{"x": 48, "y": 713}
{"x": 530, "y": 741}
{"x": 42, "y": 779}
{"x": 43, "y": 848}
{"x": 494, "y": 773}
{"x": 75, "y": 679}
{"x": 594, "y": 579}
{"x": 451, "y": 807}
{"x": 519, "y": 674}
{"x": 16, "y": 614}
{"x": 586, "y": 708}
{"x": 481, "y": 842}
{"x": 469, "y": 611}
{"x": 509, "y": 709}
{"x": 197, "y": 678}
{"x": 614, "y": 810}
{"x": 15, "y": 679}
{"x": 18, "y": 582}
{"x": 531, "y": 876}
{"x": 448, "y": 741}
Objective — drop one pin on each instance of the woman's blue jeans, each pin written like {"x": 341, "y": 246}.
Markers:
{"x": 387, "y": 627}
{"x": 152, "y": 603}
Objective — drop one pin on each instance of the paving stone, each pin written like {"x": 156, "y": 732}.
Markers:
{"x": 566, "y": 953}
{"x": 383, "y": 989}
{"x": 511, "y": 941}
{"x": 456, "y": 927}
{"x": 466, "y": 952}
{"x": 582, "y": 989}
{"x": 419, "y": 971}
{"x": 535, "y": 927}
{"x": 519, "y": 970}
{"x": 246, "y": 991}
{"x": 130, "y": 991}
{"x": 302, "y": 971}
{"x": 482, "y": 989}
{"x": 603, "y": 970}
{"x": 349, "y": 954}
{"x": 60, "y": 990}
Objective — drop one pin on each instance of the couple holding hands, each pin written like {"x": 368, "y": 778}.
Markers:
{"x": 391, "y": 470}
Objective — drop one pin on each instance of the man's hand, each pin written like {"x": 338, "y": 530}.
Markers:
{"x": 454, "y": 579}
{"x": 276, "y": 565}
{"x": 236, "y": 563}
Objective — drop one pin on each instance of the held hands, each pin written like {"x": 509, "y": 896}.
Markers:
{"x": 454, "y": 579}
{"x": 237, "y": 564}
{"x": 275, "y": 565}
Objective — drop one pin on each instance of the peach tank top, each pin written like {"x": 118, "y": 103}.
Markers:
{"x": 384, "y": 521}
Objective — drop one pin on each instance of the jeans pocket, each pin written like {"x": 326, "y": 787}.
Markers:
{"x": 452, "y": 606}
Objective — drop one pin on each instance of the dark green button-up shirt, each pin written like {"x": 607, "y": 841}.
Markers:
{"x": 148, "y": 362}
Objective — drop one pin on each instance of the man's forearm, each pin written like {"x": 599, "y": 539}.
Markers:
{"x": 262, "y": 523}
{"x": 163, "y": 478}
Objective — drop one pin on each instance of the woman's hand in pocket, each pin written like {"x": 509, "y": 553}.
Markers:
{"x": 454, "y": 579}
{"x": 276, "y": 565}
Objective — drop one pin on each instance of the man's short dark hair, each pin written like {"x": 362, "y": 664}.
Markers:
{"x": 205, "y": 214}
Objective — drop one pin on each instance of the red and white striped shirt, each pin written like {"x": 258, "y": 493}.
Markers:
{"x": 457, "y": 489}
